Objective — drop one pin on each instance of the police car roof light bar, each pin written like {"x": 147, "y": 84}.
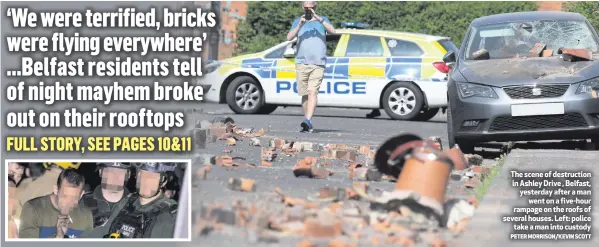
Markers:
{"x": 355, "y": 25}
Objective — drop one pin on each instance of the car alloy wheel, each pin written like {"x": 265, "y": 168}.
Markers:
{"x": 247, "y": 96}
{"x": 402, "y": 101}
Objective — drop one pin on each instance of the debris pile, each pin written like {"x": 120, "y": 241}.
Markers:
{"x": 416, "y": 210}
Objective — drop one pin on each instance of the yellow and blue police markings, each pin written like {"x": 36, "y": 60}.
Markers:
{"x": 339, "y": 69}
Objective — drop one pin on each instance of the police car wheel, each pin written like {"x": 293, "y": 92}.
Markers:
{"x": 403, "y": 101}
{"x": 244, "y": 96}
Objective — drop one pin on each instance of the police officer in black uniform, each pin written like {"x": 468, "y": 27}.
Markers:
{"x": 110, "y": 192}
{"x": 145, "y": 214}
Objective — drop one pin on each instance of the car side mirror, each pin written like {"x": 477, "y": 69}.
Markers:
{"x": 289, "y": 51}
{"x": 449, "y": 57}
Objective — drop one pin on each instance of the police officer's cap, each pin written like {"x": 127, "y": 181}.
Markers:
{"x": 115, "y": 165}
{"x": 157, "y": 167}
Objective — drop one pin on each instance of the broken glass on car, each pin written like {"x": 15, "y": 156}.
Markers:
{"x": 509, "y": 40}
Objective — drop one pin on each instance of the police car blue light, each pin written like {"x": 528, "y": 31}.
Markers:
{"x": 327, "y": 87}
{"x": 357, "y": 25}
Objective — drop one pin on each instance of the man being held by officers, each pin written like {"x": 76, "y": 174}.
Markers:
{"x": 110, "y": 192}
{"x": 57, "y": 215}
{"x": 145, "y": 214}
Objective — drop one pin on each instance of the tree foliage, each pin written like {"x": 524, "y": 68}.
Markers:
{"x": 267, "y": 23}
{"x": 589, "y": 9}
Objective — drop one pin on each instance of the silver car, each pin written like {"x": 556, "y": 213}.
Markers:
{"x": 524, "y": 77}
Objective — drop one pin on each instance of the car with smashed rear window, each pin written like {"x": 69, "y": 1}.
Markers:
{"x": 525, "y": 76}
{"x": 402, "y": 73}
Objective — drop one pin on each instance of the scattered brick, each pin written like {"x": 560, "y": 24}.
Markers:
{"x": 258, "y": 133}
{"x": 474, "y": 159}
{"x": 227, "y": 151}
{"x": 364, "y": 150}
{"x": 225, "y": 136}
{"x": 218, "y": 215}
{"x": 481, "y": 54}
{"x": 244, "y": 164}
{"x": 460, "y": 226}
{"x": 352, "y": 194}
{"x": 457, "y": 157}
{"x": 224, "y": 161}
{"x": 231, "y": 141}
{"x": 473, "y": 201}
{"x": 338, "y": 242}
{"x": 305, "y": 243}
{"x": 324, "y": 225}
{"x": 290, "y": 201}
{"x": 472, "y": 183}
{"x": 320, "y": 172}
{"x": 296, "y": 213}
{"x": 290, "y": 152}
{"x": 327, "y": 192}
{"x": 358, "y": 173}
{"x": 202, "y": 172}
{"x": 577, "y": 54}
{"x": 371, "y": 154}
{"x": 277, "y": 143}
{"x": 437, "y": 242}
{"x": 242, "y": 184}
{"x": 401, "y": 241}
{"x": 287, "y": 145}
{"x": 218, "y": 131}
{"x": 268, "y": 154}
{"x": 537, "y": 49}
{"x": 436, "y": 142}
{"x": 266, "y": 163}
{"x": 254, "y": 142}
{"x": 480, "y": 169}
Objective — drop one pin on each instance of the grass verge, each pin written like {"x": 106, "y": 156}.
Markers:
{"x": 481, "y": 190}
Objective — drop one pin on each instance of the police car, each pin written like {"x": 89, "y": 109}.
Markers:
{"x": 402, "y": 73}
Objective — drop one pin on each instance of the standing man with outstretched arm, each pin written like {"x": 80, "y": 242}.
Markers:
{"x": 311, "y": 57}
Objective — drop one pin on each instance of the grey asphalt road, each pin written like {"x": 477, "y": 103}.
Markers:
{"x": 332, "y": 126}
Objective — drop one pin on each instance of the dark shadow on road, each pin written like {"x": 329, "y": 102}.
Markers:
{"x": 494, "y": 150}
{"x": 326, "y": 131}
{"x": 567, "y": 145}
{"x": 354, "y": 117}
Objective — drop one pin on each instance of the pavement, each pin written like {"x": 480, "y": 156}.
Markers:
{"x": 332, "y": 126}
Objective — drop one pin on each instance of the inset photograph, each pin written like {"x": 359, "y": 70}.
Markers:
{"x": 98, "y": 199}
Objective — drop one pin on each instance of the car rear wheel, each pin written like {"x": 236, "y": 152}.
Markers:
{"x": 466, "y": 147}
{"x": 403, "y": 101}
{"x": 427, "y": 114}
{"x": 244, "y": 96}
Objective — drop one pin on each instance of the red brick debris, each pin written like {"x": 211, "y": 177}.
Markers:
{"x": 333, "y": 216}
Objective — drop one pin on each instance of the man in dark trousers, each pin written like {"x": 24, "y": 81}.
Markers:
{"x": 57, "y": 215}
{"x": 145, "y": 214}
{"x": 110, "y": 192}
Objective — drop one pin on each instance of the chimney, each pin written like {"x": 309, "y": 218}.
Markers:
{"x": 549, "y": 5}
